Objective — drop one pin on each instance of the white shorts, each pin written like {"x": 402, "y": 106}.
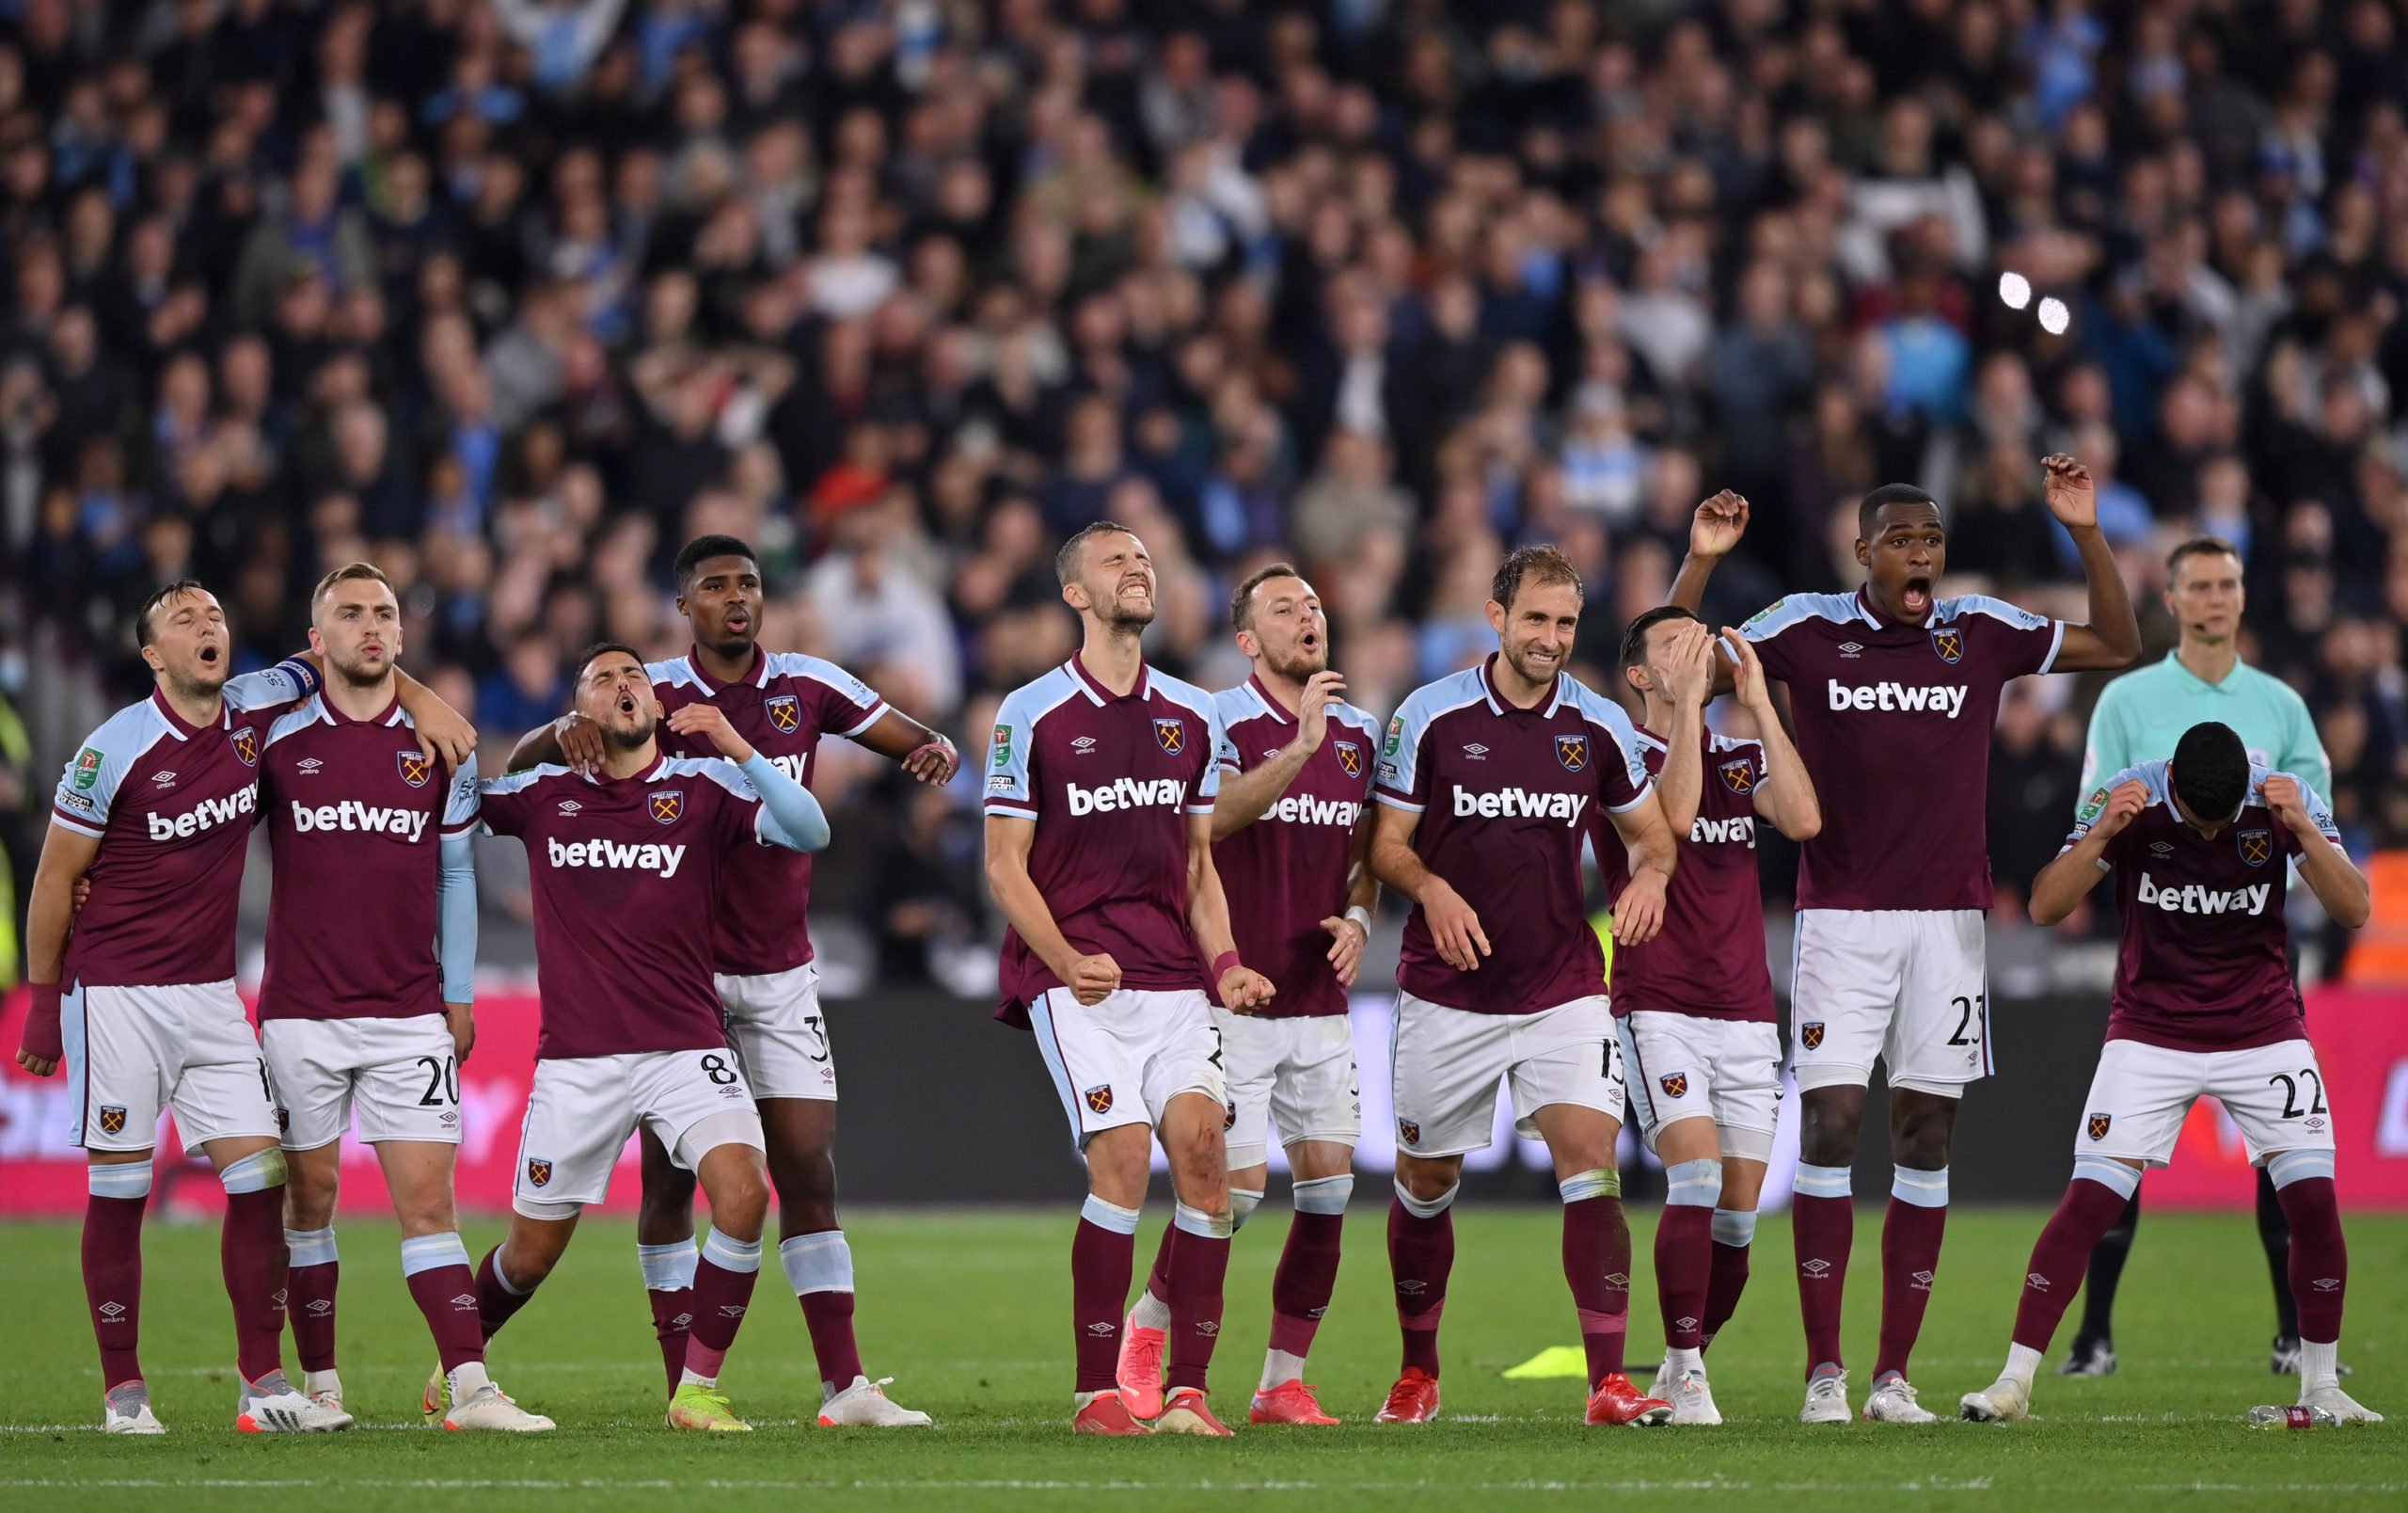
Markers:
{"x": 1121, "y": 1061}
{"x": 775, "y": 1024}
{"x": 1683, "y": 1067}
{"x": 133, "y": 1051}
{"x": 2141, "y": 1093}
{"x": 1446, "y": 1064}
{"x": 1296, "y": 1072}
{"x": 1907, "y": 985}
{"x": 583, "y": 1109}
{"x": 400, "y": 1075}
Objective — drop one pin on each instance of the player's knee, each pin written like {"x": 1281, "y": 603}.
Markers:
{"x": 1826, "y": 1132}
{"x": 1426, "y": 1182}
{"x": 256, "y": 1173}
{"x": 309, "y": 1200}
{"x": 740, "y": 1202}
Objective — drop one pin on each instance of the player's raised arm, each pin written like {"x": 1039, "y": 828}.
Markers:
{"x": 1687, "y": 667}
{"x": 795, "y": 819}
{"x": 2328, "y": 870}
{"x": 1246, "y": 796}
{"x": 572, "y": 741}
{"x": 2067, "y": 881}
{"x": 1786, "y": 797}
{"x": 66, "y": 856}
{"x": 2113, "y": 637}
{"x": 1714, "y": 530}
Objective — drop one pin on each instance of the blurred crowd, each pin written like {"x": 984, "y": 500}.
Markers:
{"x": 511, "y": 296}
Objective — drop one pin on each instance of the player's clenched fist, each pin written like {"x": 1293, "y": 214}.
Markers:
{"x": 1092, "y": 979}
{"x": 1244, "y": 989}
{"x": 1454, "y": 928}
{"x": 2128, "y": 801}
{"x": 933, "y": 763}
{"x": 709, "y": 722}
{"x": 1718, "y": 524}
{"x": 2283, "y": 796}
{"x": 1638, "y": 914}
{"x": 39, "y": 1044}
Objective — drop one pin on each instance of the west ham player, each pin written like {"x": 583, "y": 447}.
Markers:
{"x": 371, "y": 1013}
{"x": 1894, "y": 693}
{"x": 2203, "y": 1006}
{"x": 156, "y": 810}
{"x": 1486, "y": 783}
{"x": 1100, "y": 790}
{"x": 630, "y": 869}
{"x": 1700, "y": 1043}
{"x": 782, "y": 703}
{"x": 1290, "y": 832}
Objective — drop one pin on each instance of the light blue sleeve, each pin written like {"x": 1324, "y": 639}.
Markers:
{"x": 1011, "y": 786}
{"x": 1403, "y": 784}
{"x": 289, "y": 681}
{"x": 456, "y": 917}
{"x": 791, "y": 816}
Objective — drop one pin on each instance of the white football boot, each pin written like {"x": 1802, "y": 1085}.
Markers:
{"x": 273, "y": 1406}
{"x": 1826, "y": 1399}
{"x": 1893, "y": 1402}
{"x": 128, "y": 1410}
{"x": 2007, "y": 1400}
{"x": 866, "y": 1402}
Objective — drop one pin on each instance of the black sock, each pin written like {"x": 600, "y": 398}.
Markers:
{"x": 2274, "y": 1234}
{"x": 2107, "y": 1260}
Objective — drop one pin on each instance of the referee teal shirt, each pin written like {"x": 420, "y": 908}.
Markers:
{"x": 2141, "y": 715}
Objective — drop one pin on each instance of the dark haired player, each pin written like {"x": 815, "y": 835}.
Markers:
{"x": 631, "y": 867}
{"x": 781, "y": 703}
{"x": 1700, "y": 1042}
{"x": 1100, "y": 788}
{"x": 1290, "y": 831}
{"x": 2203, "y": 1006}
{"x": 157, "y": 809}
{"x": 372, "y": 1018}
{"x": 1487, "y": 782}
{"x": 1894, "y": 693}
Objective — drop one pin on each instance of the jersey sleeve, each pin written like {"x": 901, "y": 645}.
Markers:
{"x": 2094, "y": 803}
{"x": 1404, "y": 777}
{"x": 463, "y": 801}
{"x": 1205, "y": 785}
{"x": 504, "y": 804}
{"x": 289, "y": 681}
{"x": 2014, "y": 640}
{"x": 88, "y": 786}
{"x": 1623, "y": 780}
{"x": 842, "y": 705}
{"x": 1225, "y": 750}
{"x": 2317, "y": 814}
{"x": 738, "y": 814}
{"x": 1778, "y": 634}
{"x": 1011, "y": 777}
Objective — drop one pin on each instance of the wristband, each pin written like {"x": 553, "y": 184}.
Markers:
{"x": 40, "y": 1036}
{"x": 1221, "y": 965}
{"x": 1362, "y": 919}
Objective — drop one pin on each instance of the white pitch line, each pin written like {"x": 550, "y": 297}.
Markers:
{"x": 983, "y": 1483}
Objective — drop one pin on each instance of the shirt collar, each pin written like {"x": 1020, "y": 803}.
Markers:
{"x": 758, "y": 674}
{"x": 1498, "y": 704}
{"x": 176, "y": 725}
{"x": 1099, "y": 695}
{"x": 2232, "y": 680}
{"x": 1864, "y": 608}
{"x": 659, "y": 760}
{"x": 1270, "y": 705}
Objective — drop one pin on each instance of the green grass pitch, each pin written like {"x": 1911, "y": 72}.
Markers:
{"x": 967, "y": 1312}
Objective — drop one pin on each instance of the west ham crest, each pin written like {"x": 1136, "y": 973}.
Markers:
{"x": 1100, "y": 1098}
{"x": 1738, "y": 776}
{"x": 247, "y": 747}
{"x": 2098, "y": 1123}
{"x": 1350, "y": 757}
{"x": 785, "y": 712}
{"x": 1949, "y": 641}
{"x": 1675, "y": 1084}
{"x": 539, "y": 1172}
{"x": 2257, "y": 846}
{"x": 112, "y": 1118}
{"x": 1810, "y": 1034}
{"x": 1572, "y": 752}
{"x": 1171, "y": 735}
{"x": 414, "y": 767}
{"x": 668, "y": 806}
{"x": 1409, "y": 1131}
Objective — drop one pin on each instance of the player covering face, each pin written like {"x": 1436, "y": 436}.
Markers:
{"x": 628, "y": 868}
{"x": 1487, "y": 781}
{"x": 1101, "y": 783}
{"x": 1894, "y": 692}
{"x": 767, "y": 982}
{"x": 2203, "y": 1005}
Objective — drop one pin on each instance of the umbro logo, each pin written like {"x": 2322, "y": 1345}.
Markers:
{"x": 321, "y": 1307}
{"x": 1685, "y": 1323}
{"x": 2035, "y": 1282}
{"x": 465, "y": 1301}
{"x": 2161, "y": 848}
{"x": 1923, "y": 1282}
{"x": 731, "y": 1310}
{"x": 278, "y": 1298}
{"x": 308, "y": 766}
{"x": 1476, "y": 751}
{"x": 569, "y": 808}
{"x": 1851, "y": 649}
{"x": 1619, "y": 1279}
{"x": 1412, "y": 1287}
{"x": 1101, "y": 1327}
{"x": 2326, "y": 1284}
{"x": 1085, "y": 745}
{"x": 165, "y": 780}
{"x": 1208, "y": 1327}
{"x": 683, "y": 1321}
{"x": 111, "y": 1311}
{"x": 1815, "y": 1268}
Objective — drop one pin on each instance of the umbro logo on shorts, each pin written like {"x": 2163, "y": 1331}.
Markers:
{"x": 2098, "y": 1123}
{"x": 1811, "y": 1034}
{"x": 112, "y": 1120}
{"x": 539, "y": 1172}
{"x": 1099, "y": 1097}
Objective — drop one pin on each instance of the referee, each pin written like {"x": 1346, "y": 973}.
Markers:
{"x": 2141, "y": 716}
